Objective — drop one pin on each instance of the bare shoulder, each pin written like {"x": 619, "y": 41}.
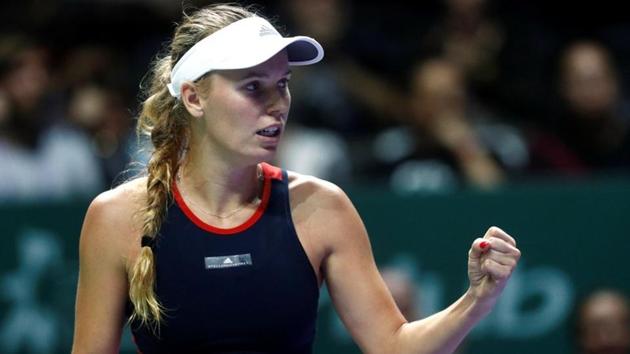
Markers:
{"x": 309, "y": 191}
{"x": 111, "y": 224}
{"x": 322, "y": 211}
{"x": 128, "y": 192}
{"x": 116, "y": 205}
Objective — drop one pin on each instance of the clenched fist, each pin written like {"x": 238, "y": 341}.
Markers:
{"x": 491, "y": 260}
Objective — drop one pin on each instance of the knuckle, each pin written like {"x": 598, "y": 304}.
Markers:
{"x": 517, "y": 253}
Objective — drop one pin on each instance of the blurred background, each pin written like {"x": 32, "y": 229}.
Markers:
{"x": 439, "y": 118}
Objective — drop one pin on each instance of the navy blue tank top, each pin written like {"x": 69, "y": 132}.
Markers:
{"x": 249, "y": 289}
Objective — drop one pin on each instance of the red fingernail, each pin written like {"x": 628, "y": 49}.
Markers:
{"x": 484, "y": 244}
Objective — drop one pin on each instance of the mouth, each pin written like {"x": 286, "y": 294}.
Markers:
{"x": 270, "y": 132}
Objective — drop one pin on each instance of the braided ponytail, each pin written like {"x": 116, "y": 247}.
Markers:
{"x": 167, "y": 122}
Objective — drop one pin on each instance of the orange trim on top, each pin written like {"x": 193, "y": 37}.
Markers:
{"x": 268, "y": 174}
{"x": 270, "y": 171}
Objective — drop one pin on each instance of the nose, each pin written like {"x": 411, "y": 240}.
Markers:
{"x": 278, "y": 103}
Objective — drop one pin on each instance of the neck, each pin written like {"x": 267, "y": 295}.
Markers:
{"x": 217, "y": 186}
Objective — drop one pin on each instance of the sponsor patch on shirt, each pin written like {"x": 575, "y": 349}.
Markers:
{"x": 237, "y": 260}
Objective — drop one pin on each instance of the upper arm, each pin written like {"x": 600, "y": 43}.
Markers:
{"x": 356, "y": 287}
{"x": 102, "y": 287}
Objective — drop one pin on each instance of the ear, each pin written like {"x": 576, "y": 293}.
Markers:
{"x": 191, "y": 99}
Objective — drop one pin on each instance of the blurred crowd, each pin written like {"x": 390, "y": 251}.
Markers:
{"x": 441, "y": 95}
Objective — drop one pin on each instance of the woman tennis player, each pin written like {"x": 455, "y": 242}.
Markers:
{"x": 217, "y": 251}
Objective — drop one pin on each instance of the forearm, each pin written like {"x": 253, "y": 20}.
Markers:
{"x": 442, "y": 332}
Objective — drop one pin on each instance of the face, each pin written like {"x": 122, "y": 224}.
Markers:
{"x": 605, "y": 325}
{"x": 27, "y": 82}
{"x": 244, "y": 111}
{"x": 437, "y": 89}
{"x": 589, "y": 82}
{"x": 322, "y": 19}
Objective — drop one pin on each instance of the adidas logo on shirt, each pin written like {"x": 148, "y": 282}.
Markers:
{"x": 237, "y": 260}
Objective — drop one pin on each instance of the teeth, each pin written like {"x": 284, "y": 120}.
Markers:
{"x": 269, "y": 131}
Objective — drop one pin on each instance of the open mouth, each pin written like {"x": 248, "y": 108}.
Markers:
{"x": 269, "y": 132}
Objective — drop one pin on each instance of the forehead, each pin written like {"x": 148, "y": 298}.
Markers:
{"x": 585, "y": 59}
{"x": 278, "y": 65}
{"x": 605, "y": 306}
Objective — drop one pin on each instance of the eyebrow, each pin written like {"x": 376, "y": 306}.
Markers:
{"x": 258, "y": 74}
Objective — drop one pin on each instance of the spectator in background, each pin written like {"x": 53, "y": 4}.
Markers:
{"x": 591, "y": 128}
{"x": 468, "y": 37}
{"x": 40, "y": 156}
{"x": 453, "y": 140}
{"x": 595, "y": 120}
{"x": 603, "y": 323}
{"x": 94, "y": 78}
{"x": 343, "y": 94}
{"x": 102, "y": 113}
{"x": 338, "y": 105}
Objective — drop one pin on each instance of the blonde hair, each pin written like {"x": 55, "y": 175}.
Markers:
{"x": 165, "y": 120}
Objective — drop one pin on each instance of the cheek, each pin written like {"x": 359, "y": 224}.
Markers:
{"x": 231, "y": 118}
{"x": 240, "y": 106}
{"x": 230, "y": 105}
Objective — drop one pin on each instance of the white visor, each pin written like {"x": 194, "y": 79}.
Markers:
{"x": 242, "y": 44}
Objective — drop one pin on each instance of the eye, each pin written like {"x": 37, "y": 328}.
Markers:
{"x": 252, "y": 86}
